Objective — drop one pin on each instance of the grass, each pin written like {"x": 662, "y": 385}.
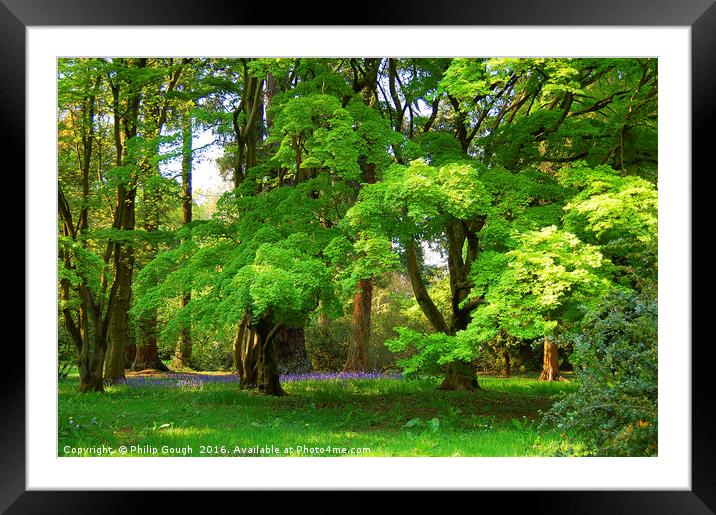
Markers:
{"x": 366, "y": 417}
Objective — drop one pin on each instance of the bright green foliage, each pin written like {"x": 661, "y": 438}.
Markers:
{"x": 547, "y": 277}
{"x": 429, "y": 352}
{"x": 259, "y": 257}
{"x": 619, "y": 213}
{"x": 551, "y": 110}
{"x": 419, "y": 200}
{"x": 615, "y": 409}
{"x": 316, "y": 132}
{"x": 283, "y": 282}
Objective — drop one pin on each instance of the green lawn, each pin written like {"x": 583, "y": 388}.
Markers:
{"x": 373, "y": 417}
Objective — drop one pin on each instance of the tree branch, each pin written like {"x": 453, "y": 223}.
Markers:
{"x": 421, "y": 293}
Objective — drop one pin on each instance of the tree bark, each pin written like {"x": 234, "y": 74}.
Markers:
{"x": 269, "y": 375}
{"x": 92, "y": 348}
{"x": 90, "y": 366}
{"x": 249, "y": 360}
{"x": 422, "y": 296}
{"x": 259, "y": 364}
{"x": 360, "y": 337}
{"x": 122, "y": 288}
{"x": 125, "y": 128}
{"x": 458, "y": 374}
{"x": 238, "y": 347}
{"x": 550, "y": 362}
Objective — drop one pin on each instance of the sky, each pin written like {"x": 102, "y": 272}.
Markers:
{"x": 205, "y": 170}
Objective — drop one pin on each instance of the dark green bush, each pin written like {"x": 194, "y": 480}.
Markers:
{"x": 614, "y": 412}
{"x": 327, "y": 344}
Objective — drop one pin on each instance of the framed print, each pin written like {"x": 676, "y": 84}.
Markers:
{"x": 221, "y": 92}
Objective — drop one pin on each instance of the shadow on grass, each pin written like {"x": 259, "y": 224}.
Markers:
{"x": 387, "y": 416}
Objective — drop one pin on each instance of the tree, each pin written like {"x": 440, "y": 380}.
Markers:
{"x": 547, "y": 278}
{"x": 421, "y": 202}
{"x": 98, "y": 323}
{"x": 159, "y": 104}
{"x": 183, "y": 349}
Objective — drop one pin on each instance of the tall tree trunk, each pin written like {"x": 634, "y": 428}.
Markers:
{"x": 93, "y": 344}
{"x": 360, "y": 336}
{"x": 508, "y": 367}
{"x": 550, "y": 361}
{"x": 125, "y": 128}
{"x": 458, "y": 374}
{"x": 147, "y": 353}
{"x": 183, "y": 350}
{"x": 122, "y": 289}
{"x": 357, "y": 358}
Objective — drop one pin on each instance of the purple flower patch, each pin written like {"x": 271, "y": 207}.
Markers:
{"x": 190, "y": 381}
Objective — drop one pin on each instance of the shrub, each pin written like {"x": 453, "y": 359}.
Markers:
{"x": 66, "y": 352}
{"x": 327, "y": 344}
{"x": 614, "y": 412}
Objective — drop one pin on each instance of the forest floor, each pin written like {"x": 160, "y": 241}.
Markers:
{"x": 206, "y": 414}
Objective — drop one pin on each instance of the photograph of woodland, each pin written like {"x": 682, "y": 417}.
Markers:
{"x": 357, "y": 256}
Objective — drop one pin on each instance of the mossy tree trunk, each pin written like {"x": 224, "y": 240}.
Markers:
{"x": 259, "y": 364}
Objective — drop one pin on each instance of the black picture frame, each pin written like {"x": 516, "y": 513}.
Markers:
{"x": 16, "y": 15}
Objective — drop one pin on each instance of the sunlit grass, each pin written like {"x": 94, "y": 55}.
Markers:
{"x": 377, "y": 417}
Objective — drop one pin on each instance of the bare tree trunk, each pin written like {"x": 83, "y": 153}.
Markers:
{"x": 92, "y": 352}
{"x": 125, "y": 128}
{"x": 550, "y": 362}
{"x": 90, "y": 366}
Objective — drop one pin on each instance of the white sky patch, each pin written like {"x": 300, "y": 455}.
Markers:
{"x": 205, "y": 177}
